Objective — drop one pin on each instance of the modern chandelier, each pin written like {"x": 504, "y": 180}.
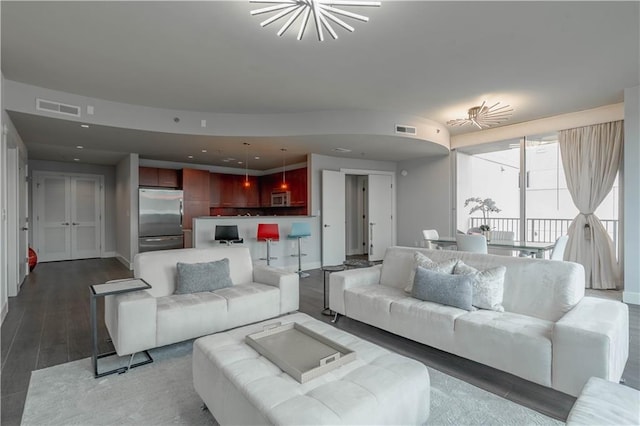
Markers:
{"x": 321, "y": 11}
{"x": 484, "y": 116}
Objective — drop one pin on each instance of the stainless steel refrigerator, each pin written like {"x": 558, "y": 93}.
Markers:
{"x": 160, "y": 219}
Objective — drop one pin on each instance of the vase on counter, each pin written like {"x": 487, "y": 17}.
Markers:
{"x": 487, "y": 235}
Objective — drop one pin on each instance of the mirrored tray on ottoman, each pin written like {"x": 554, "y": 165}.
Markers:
{"x": 299, "y": 351}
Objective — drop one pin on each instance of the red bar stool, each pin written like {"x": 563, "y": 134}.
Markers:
{"x": 268, "y": 232}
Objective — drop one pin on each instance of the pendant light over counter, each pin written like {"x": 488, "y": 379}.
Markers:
{"x": 246, "y": 183}
{"x": 284, "y": 185}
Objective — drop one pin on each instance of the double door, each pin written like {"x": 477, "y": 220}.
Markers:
{"x": 68, "y": 216}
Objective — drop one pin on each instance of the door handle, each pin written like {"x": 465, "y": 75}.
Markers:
{"x": 75, "y": 223}
{"x": 327, "y": 226}
{"x": 65, "y": 223}
{"x": 24, "y": 228}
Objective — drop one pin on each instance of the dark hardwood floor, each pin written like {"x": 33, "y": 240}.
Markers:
{"x": 48, "y": 324}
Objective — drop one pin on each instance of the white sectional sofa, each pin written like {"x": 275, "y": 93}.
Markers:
{"x": 156, "y": 317}
{"x": 549, "y": 333}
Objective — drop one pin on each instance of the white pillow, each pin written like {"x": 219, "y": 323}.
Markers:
{"x": 488, "y": 285}
{"x": 419, "y": 259}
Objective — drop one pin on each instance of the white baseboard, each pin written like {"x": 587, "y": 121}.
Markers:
{"x": 109, "y": 254}
{"x": 630, "y": 297}
{"x": 124, "y": 261}
{"x": 5, "y": 311}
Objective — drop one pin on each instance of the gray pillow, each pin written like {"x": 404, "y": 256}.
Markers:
{"x": 446, "y": 289}
{"x": 488, "y": 285}
{"x": 198, "y": 277}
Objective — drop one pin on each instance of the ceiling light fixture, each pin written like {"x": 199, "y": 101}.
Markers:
{"x": 283, "y": 185}
{"x": 484, "y": 116}
{"x": 322, "y": 11}
{"x": 84, "y": 126}
{"x": 79, "y": 146}
{"x": 246, "y": 183}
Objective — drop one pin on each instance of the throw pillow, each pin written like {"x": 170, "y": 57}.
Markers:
{"x": 488, "y": 285}
{"x": 198, "y": 277}
{"x": 420, "y": 259}
{"x": 443, "y": 288}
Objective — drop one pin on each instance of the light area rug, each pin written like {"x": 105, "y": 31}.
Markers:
{"x": 162, "y": 393}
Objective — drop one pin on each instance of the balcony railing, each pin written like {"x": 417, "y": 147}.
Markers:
{"x": 541, "y": 229}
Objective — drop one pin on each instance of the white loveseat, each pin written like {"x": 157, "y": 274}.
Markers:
{"x": 156, "y": 317}
{"x": 549, "y": 332}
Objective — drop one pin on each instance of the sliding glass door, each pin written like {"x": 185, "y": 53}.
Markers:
{"x": 525, "y": 177}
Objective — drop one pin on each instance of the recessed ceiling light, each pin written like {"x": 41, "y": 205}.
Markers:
{"x": 84, "y": 126}
{"x": 226, "y": 160}
{"x": 76, "y": 159}
{"x": 341, "y": 150}
{"x": 79, "y": 146}
{"x": 204, "y": 150}
{"x": 239, "y": 162}
{"x": 190, "y": 156}
{"x": 256, "y": 158}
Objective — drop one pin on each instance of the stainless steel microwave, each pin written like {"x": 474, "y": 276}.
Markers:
{"x": 280, "y": 199}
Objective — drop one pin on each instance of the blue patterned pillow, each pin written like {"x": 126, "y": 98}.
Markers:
{"x": 446, "y": 289}
{"x": 198, "y": 277}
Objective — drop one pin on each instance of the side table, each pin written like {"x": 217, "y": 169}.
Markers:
{"x": 107, "y": 289}
{"x": 327, "y": 271}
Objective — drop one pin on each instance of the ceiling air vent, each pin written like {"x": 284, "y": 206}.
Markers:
{"x": 406, "y": 130}
{"x": 57, "y": 107}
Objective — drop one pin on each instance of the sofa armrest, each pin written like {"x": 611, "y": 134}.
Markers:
{"x": 131, "y": 321}
{"x": 341, "y": 281}
{"x": 592, "y": 339}
{"x": 287, "y": 282}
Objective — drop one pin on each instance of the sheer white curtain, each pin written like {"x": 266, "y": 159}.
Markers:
{"x": 591, "y": 158}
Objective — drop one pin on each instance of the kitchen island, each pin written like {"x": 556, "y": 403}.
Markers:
{"x": 204, "y": 231}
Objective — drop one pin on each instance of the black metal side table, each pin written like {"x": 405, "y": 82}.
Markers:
{"x": 327, "y": 271}
{"x": 108, "y": 289}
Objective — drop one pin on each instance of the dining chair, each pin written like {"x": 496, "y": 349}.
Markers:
{"x": 300, "y": 230}
{"x": 504, "y": 237}
{"x": 428, "y": 235}
{"x": 268, "y": 232}
{"x": 472, "y": 243}
{"x": 227, "y": 234}
{"x": 558, "y": 248}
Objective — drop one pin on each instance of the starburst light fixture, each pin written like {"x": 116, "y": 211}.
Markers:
{"x": 322, "y": 12}
{"x": 484, "y": 116}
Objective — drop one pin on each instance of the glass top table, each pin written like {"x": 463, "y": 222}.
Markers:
{"x": 536, "y": 249}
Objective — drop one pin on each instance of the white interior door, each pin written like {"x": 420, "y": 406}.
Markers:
{"x": 68, "y": 219}
{"x": 23, "y": 220}
{"x": 85, "y": 217}
{"x": 380, "y": 215}
{"x": 53, "y": 219}
{"x": 333, "y": 218}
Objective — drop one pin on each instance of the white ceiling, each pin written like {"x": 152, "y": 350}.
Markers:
{"x": 428, "y": 59}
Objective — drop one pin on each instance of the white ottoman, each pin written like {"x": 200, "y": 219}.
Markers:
{"x": 602, "y": 402}
{"x": 239, "y": 386}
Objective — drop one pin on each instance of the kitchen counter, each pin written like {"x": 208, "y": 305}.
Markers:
{"x": 204, "y": 230}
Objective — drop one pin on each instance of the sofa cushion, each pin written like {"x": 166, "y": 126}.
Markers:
{"x": 446, "y": 289}
{"x": 426, "y": 322}
{"x": 517, "y": 344}
{"x": 488, "y": 285}
{"x": 419, "y": 259}
{"x": 205, "y": 276}
{"x": 247, "y": 303}
{"x": 185, "y": 316}
{"x": 372, "y": 304}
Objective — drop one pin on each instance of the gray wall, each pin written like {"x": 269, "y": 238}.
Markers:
{"x": 109, "y": 176}
{"x": 424, "y": 198}
{"x": 126, "y": 202}
{"x": 631, "y": 195}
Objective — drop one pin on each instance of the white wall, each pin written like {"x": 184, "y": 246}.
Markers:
{"x": 4, "y": 300}
{"x": 126, "y": 202}
{"x": 424, "y": 198}
{"x": 631, "y": 160}
{"x": 109, "y": 179}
